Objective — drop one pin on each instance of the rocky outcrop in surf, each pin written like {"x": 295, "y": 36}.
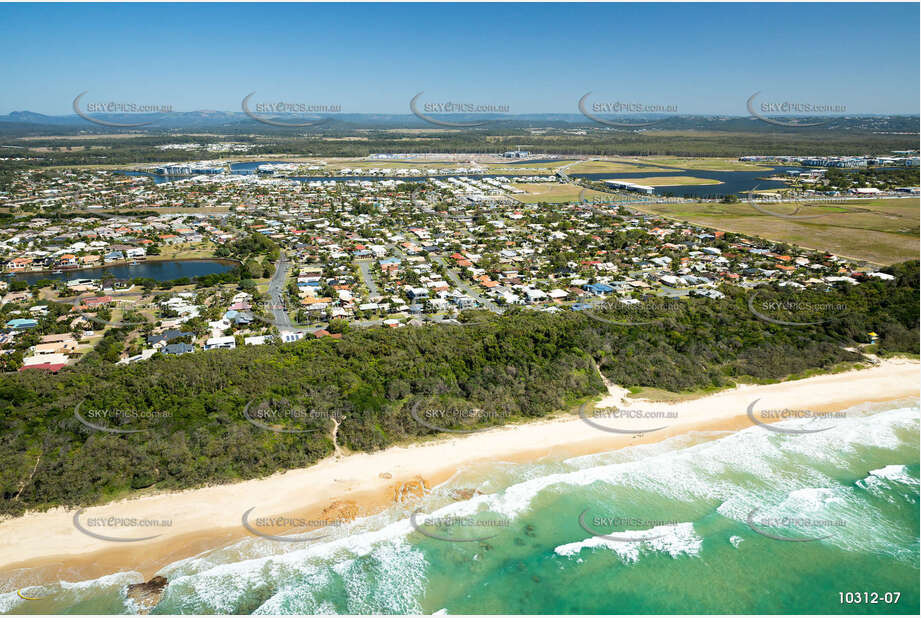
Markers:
{"x": 146, "y": 595}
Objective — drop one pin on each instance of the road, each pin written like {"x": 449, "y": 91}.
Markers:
{"x": 398, "y": 251}
{"x": 458, "y": 282}
{"x": 365, "y": 267}
{"x": 455, "y": 279}
{"x": 277, "y": 295}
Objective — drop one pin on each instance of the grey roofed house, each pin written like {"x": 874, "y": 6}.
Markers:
{"x": 167, "y": 336}
{"x": 178, "y": 348}
{"x": 243, "y": 318}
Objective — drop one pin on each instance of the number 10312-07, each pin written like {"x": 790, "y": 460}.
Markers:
{"x": 869, "y": 597}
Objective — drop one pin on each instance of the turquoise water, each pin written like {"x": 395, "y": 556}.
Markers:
{"x": 677, "y": 512}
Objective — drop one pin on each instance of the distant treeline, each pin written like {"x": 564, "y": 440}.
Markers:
{"x": 726, "y": 141}
{"x": 522, "y": 365}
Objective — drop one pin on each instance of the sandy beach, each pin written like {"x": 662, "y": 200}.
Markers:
{"x": 48, "y": 546}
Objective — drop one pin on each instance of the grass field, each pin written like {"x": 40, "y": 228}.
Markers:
{"x": 525, "y": 163}
{"x": 712, "y": 164}
{"x": 553, "y": 193}
{"x": 178, "y": 252}
{"x": 881, "y": 231}
{"x": 670, "y": 181}
{"x": 601, "y": 167}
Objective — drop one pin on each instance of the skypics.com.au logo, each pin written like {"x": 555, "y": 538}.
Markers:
{"x": 457, "y": 529}
{"x": 646, "y": 527}
{"x": 114, "y": 108}
{"x": 620, "y": 419}
{"x": 768, "y": 204}
{"x": 116, "y": 420}
{"x": 283, "y": 416}
{"x": 623, "y": 110}
{"x": 276, "y": 113}
{"x": 112, "y": 525}
{"x": 793, "y": 529}
{"x": 794, "y": 311}
{"x": 765, "y": 418}
{"x": 787, "y": 113}
{"x": 436, "y": 418}
{"x": 282, "y": 528}
{"x": 424, "y": 111}
{"x": 616, "y": 311}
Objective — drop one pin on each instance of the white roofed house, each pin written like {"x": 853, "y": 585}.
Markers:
{"x": 463, "y": 301}
{"x": 226, "y": 343}
{"x": 534, "y": 295}
{"x": 670, "y": 280}
{"x": 257, "y": 340}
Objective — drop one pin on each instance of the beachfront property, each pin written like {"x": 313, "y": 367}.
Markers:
{"x": 222, "y": 343}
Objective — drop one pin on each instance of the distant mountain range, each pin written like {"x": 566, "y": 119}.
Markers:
{"x": 23, "y": 122}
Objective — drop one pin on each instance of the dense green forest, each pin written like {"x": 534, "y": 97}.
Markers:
{"x": 732, "y": 140}
{"x": 521, "y": 365}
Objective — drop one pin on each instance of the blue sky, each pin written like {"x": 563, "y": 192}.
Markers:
{"x": 702, "y": 58}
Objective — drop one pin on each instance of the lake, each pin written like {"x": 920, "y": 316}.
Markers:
{"x": 733, "y": 182}
{"x": 160, "y": 271}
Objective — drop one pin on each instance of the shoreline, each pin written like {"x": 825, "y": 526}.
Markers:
{"x": 45, "y": 546}
{"x": 144, "y": 260}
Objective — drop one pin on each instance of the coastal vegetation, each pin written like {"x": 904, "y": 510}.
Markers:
{"x": 215, "y": 417}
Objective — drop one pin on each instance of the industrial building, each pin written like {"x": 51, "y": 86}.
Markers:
{"x": 629, "y": 186}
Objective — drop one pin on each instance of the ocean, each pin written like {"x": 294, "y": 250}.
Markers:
{"x": 756, "y": 521}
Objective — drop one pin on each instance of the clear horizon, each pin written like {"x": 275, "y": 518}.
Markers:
{"x": 702, "y": 59}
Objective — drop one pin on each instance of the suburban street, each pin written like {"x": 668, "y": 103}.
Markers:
{"x": 277, "y": 296}
{"x": 457, "y": 281}
{"x": 365, "y": 266}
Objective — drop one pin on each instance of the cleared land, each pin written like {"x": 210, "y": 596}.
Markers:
{"x": 670, "y": 181}
{"x": 601, "y": 167}
{"x": 881, "y": 231}
{"x": 185, "y": 252}
{"x": 713, "y": 164}
{"x": 551, "y": 192}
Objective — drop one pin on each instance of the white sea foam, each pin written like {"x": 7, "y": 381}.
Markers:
{"x": 381, "y": 572}
{"x": 9, "y": 601}
{"x": 64, "y": 593}
{"x": 713, "y": 470}
{"x": 386, "y": 580}
{"x": 891, "y": 483}
{"x": 736, "y": 471}
{"x": 899, "y": 474}
{"x": 675, "y": 540}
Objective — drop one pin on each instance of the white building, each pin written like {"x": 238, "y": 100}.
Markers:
{"x": 226, "y": 343}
